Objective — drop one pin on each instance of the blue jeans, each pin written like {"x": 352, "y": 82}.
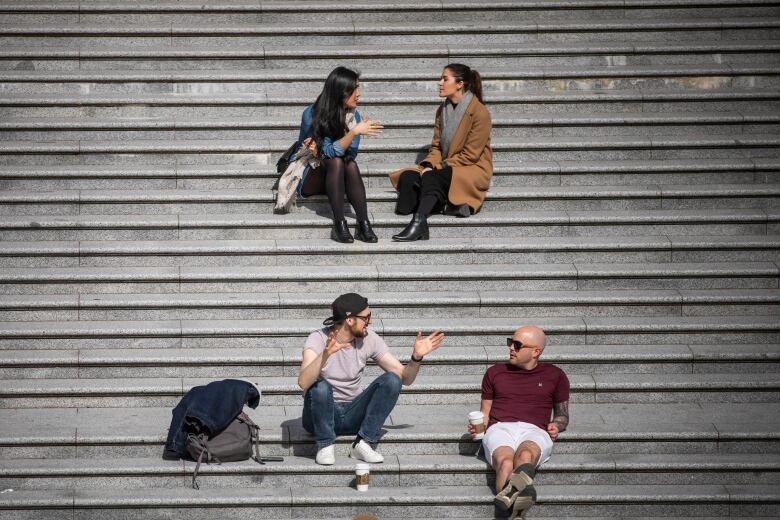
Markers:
{"x": 324, "y": 418}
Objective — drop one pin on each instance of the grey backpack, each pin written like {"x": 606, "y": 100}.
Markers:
{"x": 234, "y": 443}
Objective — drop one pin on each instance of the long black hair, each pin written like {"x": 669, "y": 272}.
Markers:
{"x": 329, "y": 113}
{"x": 470, "y": 77}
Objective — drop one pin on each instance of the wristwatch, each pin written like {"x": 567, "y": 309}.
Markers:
{"x": 416, "y": 359}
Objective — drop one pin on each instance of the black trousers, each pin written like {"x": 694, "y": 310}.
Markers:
{"x": 412, "y": 187}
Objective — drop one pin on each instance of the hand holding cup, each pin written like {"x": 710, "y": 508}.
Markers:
{"x": 476, "y": 425}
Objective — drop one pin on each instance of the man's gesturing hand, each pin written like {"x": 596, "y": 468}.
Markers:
{"x": 552, "y": 430}
{"x": 425, "y": 345}
{"x": 332, "y": 345}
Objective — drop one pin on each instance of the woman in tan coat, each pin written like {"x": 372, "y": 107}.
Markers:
{"x": 455, "y": 176}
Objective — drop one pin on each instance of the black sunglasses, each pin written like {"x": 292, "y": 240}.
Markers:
{"x": 517, "y": 345}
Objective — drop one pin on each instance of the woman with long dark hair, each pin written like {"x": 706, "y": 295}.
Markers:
{"x": 455, "y": 175}
{"x": 333, "y": 126}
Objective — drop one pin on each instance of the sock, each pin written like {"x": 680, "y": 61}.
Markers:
{"x": 357, "y": 440}
{"x": 528, "y": 469}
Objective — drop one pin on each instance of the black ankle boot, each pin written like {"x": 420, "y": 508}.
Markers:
{"x": 340, "y": 232}
{"x": 417, "y": 229}
{"x": 364, "y": 233}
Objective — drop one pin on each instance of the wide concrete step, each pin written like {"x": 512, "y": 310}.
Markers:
{"x": 44, "y": 335}
{"x": 226, "y": 362}
{"x": 280, "y": 12}
{"x": 427, "y": 390}
{"x": 485, "y": 251}
{"x": 278, "y": 82}
{"x": 596, "y": 428}
{"x": 606, "y": 501}
{"x": 390, "y": 150}
{"x": 505, "y": 173}
{"x": 305, "y": 224}
{"x": 395, "y": 471}
{"x": 248, "y": 55}
{"x": 504, "y": 126}
{"x": 375, "y": 98}
{"x": 372, "y": 33}
{"x": 269, "y": 304}
{"x": 687, "y": 26}
{"x": 386, "y": 105}
{"x": 540, "y": 205}
{"x": 384, "y": 280}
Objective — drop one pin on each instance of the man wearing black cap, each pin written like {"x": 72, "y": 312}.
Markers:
{"x": 334, "y": 358}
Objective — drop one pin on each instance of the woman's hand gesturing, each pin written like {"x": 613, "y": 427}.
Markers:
{"x": 368, "y": 128}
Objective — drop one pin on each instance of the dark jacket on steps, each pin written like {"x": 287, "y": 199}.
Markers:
{"x": 209, "y": 408}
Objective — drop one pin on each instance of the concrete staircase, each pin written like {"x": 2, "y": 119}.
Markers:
{"x": 634, "y": 215}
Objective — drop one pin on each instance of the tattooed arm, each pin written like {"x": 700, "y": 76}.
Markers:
{"x": 560, "y": 419}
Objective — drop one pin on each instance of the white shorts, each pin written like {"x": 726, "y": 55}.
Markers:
{"x": 512, "y": 434}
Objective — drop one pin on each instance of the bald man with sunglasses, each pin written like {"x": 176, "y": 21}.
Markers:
{"x": 526, "y": 406}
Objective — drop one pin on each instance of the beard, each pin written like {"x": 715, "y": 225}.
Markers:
{"x": 359, "y": 332}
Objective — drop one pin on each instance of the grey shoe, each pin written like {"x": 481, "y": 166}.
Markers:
{"x": 521, "y": 506}
{"x": 507, "y": 496}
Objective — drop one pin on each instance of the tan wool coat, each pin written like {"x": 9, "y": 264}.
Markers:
{"x": 470, "y": 157}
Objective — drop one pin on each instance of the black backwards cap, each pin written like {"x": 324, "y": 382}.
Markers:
{"x": 345, "y": 306}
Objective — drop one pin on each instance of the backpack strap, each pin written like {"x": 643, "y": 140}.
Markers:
{"x": 204, "y": 450}
{"x": 255, "y": 433}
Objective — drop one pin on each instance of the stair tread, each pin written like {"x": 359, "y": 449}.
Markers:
{"x": 143, "y": 466}
{"x": 428, "y": 384}
{"x": 529, "y": 24}
{"x": 389, "y": 73}
{"x": 291, "y": 356}
{"x": 305, "y": 218}
{"x": 408, "y": 145}
{"x": 172, "y": 6}
{"x": 10, "y": 98}
{"x": 390, "y": 299}
{"x": 696, "y": 422}
{"x": 265, "y": 51}
{"x": 499, "y": 167}
{"x": 325, "y": 246}
{"x": 91, "y": 196}
{"x": 449, "y": 495}
{"x": 521, "y": 118}
{"x": 391, "y": 327}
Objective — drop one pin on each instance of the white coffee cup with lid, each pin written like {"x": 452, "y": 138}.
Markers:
{"x": 362, "y": 471}
{"x": 477, "y": 419}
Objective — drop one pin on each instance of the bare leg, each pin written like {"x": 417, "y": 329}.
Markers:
{"x": 503, "y": 463}
{"x": 526, "y": 458}
{"x": 527, "y": 453}
{"x": 515, "y": 470}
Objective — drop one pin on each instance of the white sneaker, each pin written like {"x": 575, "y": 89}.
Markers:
{"x": 327, "y": 455}
{"x": 363, "y": 451}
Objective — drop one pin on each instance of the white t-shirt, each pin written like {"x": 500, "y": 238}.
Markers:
{"x": 344, "y": 369}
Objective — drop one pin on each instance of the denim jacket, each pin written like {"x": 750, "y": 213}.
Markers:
{"x": 330, "y": 148}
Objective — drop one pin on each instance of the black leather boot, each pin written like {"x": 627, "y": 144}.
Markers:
{"x": 417, "y": 229}
{"x": 364, "y": 233}
{"x": 340, "y": 232}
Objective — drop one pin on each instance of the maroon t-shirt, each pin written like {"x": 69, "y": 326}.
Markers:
{"x": 524, "y": 395}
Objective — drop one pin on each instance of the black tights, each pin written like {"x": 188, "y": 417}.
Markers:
{"x": 335, "y": 177}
